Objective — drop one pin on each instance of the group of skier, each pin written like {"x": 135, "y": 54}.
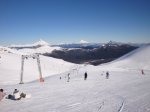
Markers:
{"x": 68, "y": 76}
{"x": 15, "y": 96}
{"x": 107, "y": 75}
{"x": 85, "y": 76}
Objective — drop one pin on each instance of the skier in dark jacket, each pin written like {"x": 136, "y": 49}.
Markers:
{"x": 68, "y": 77}
{"x": 85, "y": 75}
{"x": 107, "y": 75}
{"x": 142, "y": 71}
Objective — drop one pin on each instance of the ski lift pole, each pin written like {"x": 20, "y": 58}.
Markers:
{"x": 39, "y": 68}
{"x": 22, "y": 68}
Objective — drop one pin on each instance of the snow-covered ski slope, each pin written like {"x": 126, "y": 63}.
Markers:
{"x": 126, "y": 90}
{"x": 10, "y": 68}
{"x": 135, "y": 60}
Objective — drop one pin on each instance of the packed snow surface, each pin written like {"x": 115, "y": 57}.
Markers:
{"x": 126, "y": 89}
{"x": 135, "y": 60}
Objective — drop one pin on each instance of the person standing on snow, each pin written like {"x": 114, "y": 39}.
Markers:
{"x": 68, "y": 77}
{"x": 85, "y": 75}
{"x": 142, "y": 71}
{"x": 2, "y": 94}
{"x": 107, "y": 75}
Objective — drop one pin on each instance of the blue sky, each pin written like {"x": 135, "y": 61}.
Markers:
{"x": 65, "y": 21}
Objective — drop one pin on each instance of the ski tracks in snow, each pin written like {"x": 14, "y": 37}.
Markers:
{"x": 101, "y": 106}
{"x": 75, "y": 104}
{"x": 122, "y": 104}
{"x": 113, "y": 103}
{"x": 121, "y": 107}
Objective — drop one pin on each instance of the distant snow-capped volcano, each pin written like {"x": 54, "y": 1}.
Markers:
{"x": 39, "y": 43}
{"x": 41, "y": 49}
{"x": 37, "y": 47}
{"x": 83, "y": 42}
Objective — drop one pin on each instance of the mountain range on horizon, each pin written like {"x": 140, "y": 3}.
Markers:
{"x": 82, "y": 52}
{"x": 41, "y": 42}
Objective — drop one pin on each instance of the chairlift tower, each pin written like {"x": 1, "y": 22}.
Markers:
{"x": 34, "y": 56}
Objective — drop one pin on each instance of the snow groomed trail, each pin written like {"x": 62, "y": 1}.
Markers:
{"x": 122, "y": 92}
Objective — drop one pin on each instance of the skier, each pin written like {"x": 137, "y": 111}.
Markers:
{"x": 107, "y": 75}
{"x": 142, "y": 71}
{"x": 85, "y": 75}
{"x": 2, "y": 94}
{"x": 68, "y": 77}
